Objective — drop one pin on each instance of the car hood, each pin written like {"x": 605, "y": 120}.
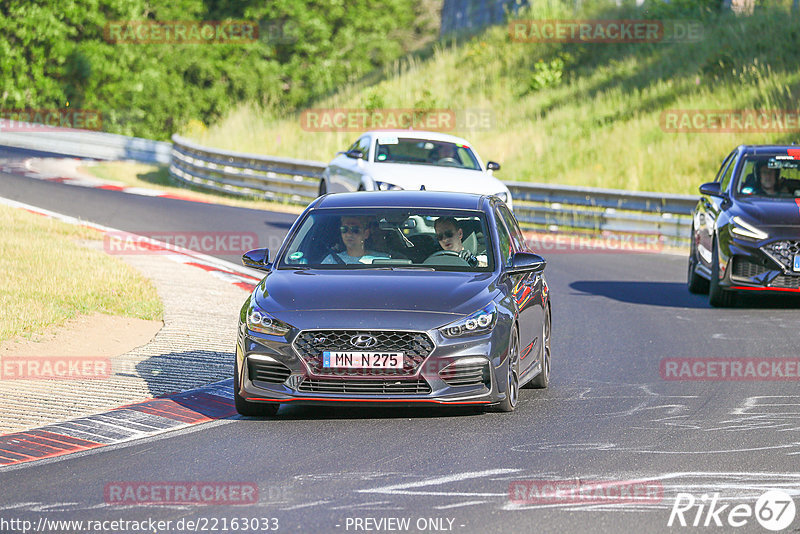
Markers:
{"x": 412, "y": 177}
{"x": 397, "y": 292}
{"x": 770, "y": 213}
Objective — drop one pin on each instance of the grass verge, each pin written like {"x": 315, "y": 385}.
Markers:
{"x": 49, "y": 277}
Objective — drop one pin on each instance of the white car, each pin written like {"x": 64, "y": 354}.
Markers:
{"x": 411, "y": 160}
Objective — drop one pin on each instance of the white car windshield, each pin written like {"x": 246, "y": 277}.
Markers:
{"x": 395, "y": 238}
{"x": 425, "y": 152}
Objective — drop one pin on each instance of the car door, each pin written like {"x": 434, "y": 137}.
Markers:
{"x": 526, "y": 288}
{"x": 708, "y": 211}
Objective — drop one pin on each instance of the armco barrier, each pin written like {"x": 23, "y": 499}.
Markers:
{"x": 88, "y": 144}
{"x": 537, "y": 206}
{"x": 292, "y": 180}
{"x": 550, "y": 207}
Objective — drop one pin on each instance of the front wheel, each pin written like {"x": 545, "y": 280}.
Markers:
{"x": 542, "y": 380}
{"x": 252, "y": 409}
{"x": 717, "y": 296}
{"x": 696, "y": 283}
{"x": 512, "y": 380}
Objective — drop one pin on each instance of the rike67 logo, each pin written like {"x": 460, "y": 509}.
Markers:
{"x": 774, "y": 510}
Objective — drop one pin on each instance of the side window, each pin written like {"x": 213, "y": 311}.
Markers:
{"x": 363, "y": 146}
{"x": 725, "y": 163}
{"x": 726, "y": 179}
{"x": 505, "y": 241}
{"x": 516, "y": 235}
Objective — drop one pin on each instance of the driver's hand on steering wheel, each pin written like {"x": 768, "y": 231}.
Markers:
{"x": 468, "y": 257}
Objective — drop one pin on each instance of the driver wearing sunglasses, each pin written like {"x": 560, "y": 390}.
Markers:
{"x": 354, "y": 232}
{"x": 450, "y": 236}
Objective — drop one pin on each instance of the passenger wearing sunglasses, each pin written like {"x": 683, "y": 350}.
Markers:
{"x": 354, "y": 232}
{"x": 450, "y": 236}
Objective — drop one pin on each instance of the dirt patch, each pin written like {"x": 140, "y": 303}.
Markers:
{"x": 86, "y": 335}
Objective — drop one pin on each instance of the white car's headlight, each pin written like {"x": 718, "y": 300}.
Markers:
{"x": 386, "y": 186}
{"x": 480, "y": 322}
{"x": 502, "y": 196}
{"x": 260, "y": 321}
{"x": 743, "y": 229}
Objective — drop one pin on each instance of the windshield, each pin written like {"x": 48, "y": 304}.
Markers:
{"x": 776, "y": 176}
{"x": 390, "y": 239}
{"x": 392, "y": 149}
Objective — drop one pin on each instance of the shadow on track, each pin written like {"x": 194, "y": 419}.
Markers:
{"x": 323, "y": 413}
{"x": 668, "y": 294}
{"x": 675, "y": 295}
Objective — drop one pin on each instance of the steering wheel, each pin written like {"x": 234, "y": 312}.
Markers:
{"x": 450, "y": 258}
{"x": 448, "y": 161}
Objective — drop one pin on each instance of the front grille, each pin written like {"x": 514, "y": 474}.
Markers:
{"x": 786, "y": 282}
{"x": 267, "y": 371}
{"x": 354, "y": 386}
{"x": 783, "y": 251}
{"x": 744, "y": 268}
{"x": 415, "y": 346}
{"x": 470, "y": 374}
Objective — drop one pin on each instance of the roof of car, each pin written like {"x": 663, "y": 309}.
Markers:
{"x": 402, "y": 199}
{"x": 420, "y": 134}
{"x": 768, "y": 149}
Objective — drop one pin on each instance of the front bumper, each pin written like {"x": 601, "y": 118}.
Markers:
{"x": 455, "y": 372}
{"x": 766, "y": 265}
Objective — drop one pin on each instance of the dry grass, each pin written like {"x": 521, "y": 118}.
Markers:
{"x": 49, "y": 277}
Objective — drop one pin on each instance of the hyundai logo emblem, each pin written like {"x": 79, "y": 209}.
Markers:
{"x": 363, "y": 341}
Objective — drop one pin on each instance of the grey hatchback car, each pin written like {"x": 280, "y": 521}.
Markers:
{"x": 399, "y": 298}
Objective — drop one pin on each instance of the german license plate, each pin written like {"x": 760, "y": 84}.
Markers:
{"x": 797, "y": 263}
{"x": 362, "y": 360}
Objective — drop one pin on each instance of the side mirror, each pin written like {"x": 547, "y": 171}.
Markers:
{"x": 354, "y": 154}
{"x": 257, "y": 259}
{"x": 711, "y": 189}
{"x": 493, "y": 166}
{"x": 527, "y": 261}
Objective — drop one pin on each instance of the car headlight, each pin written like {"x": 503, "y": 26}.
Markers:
{"x": 480, "y": 322}
{"x": 260, "y": 321}
{"x": 386, "y": 186}
{"x": 743, "y": 229}
{"x": 502, "y": 196}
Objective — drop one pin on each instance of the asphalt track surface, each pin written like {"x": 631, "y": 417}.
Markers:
{"x": 608, "y": 415}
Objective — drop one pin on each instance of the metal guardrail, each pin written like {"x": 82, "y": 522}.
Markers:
{"x": 87, "y": 144}
{"x": 536, "y": 206}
